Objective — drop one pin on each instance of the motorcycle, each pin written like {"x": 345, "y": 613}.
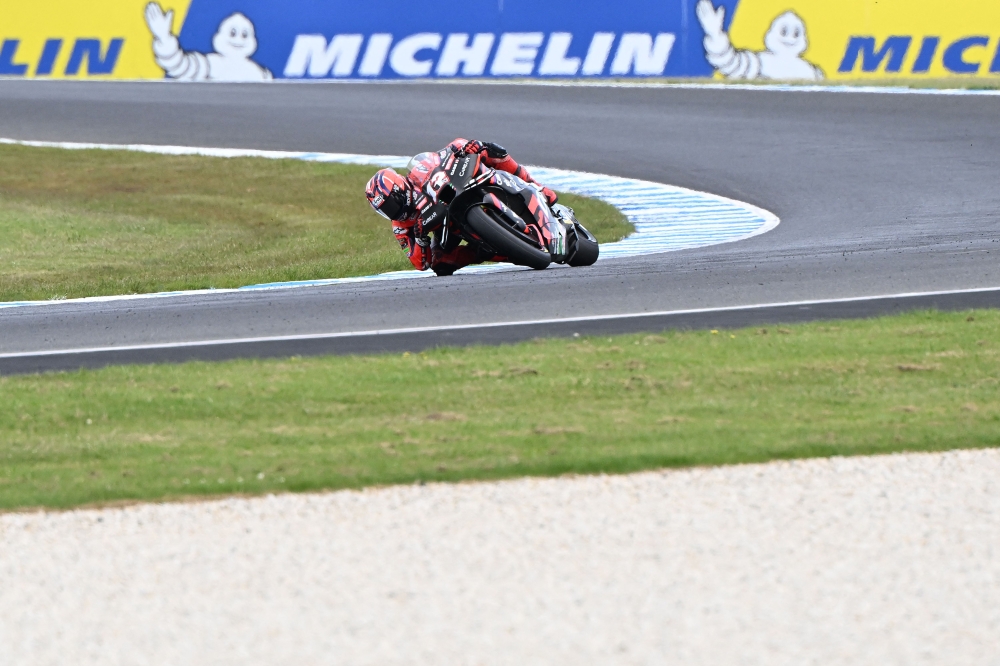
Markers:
{"x": 500, "y": 214}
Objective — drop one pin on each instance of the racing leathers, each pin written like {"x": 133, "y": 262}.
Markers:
{"x": 425, "y": 214}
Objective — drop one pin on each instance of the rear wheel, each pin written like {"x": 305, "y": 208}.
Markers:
{"x": 587, "y": 249}
{"x": 519, "y": 248}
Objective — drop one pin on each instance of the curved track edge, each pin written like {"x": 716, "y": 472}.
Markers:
{"x": 667, "y": 218}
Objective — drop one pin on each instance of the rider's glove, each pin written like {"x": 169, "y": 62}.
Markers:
{"x": 492, "y": 150}
{"x": 495, "y": 151}
{"x": 431, "y": 218}
{"x": 471, "y": 148}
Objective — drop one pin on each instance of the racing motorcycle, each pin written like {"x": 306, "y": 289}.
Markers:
{"x": 501, "y": 214}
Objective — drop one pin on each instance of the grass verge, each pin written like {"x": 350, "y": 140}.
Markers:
{"x": 922, "y": 381}
{"x": 97, "y": 222}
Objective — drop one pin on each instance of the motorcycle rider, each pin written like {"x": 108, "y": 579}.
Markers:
{"x": 415, "y": 212}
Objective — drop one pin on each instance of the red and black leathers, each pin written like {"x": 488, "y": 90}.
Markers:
{"x": 426, "y": 214}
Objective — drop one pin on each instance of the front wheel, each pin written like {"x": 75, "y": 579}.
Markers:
{"x": 507, "y": 241}
{"x": 587, "y": 249}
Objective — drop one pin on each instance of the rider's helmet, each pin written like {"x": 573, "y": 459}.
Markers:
{"x": 389, "y": 194}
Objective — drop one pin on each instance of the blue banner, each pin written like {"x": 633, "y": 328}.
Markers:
{"x": 405, "y": 39}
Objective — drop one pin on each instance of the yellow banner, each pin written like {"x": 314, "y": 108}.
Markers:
{"x": 72, "y": 39}
{"x": 858, "y": 39}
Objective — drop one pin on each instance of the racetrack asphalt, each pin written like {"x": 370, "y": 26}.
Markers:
{"x": 877, "y": 194}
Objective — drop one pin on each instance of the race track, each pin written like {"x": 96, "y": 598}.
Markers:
{"x": 877, "y": 195}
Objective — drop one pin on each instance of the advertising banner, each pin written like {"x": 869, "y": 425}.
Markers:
{"x": 262, "y": 40}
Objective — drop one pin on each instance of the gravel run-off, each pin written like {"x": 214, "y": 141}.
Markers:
{"x": 883, "y": 560}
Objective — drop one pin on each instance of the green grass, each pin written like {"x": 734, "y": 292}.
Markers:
{"x": 923, "y": 381}
{"x": 96, "y": 222}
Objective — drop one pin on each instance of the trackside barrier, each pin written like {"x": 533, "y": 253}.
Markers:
{"x": 262, "y": 40}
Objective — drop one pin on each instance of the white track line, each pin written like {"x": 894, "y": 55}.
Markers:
{"x": 666, "y": 218}
{"x": 466, "y": 327}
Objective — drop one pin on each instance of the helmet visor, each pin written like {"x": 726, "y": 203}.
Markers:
{"x": 393, "y": 206}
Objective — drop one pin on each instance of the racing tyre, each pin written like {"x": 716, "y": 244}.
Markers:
{"x": 587, "y": 249}
{"x": 507, "y": 241}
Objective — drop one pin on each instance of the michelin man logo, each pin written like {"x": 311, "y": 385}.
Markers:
{"x": 234, "y": 42}
{"x": 785, "y": 41}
